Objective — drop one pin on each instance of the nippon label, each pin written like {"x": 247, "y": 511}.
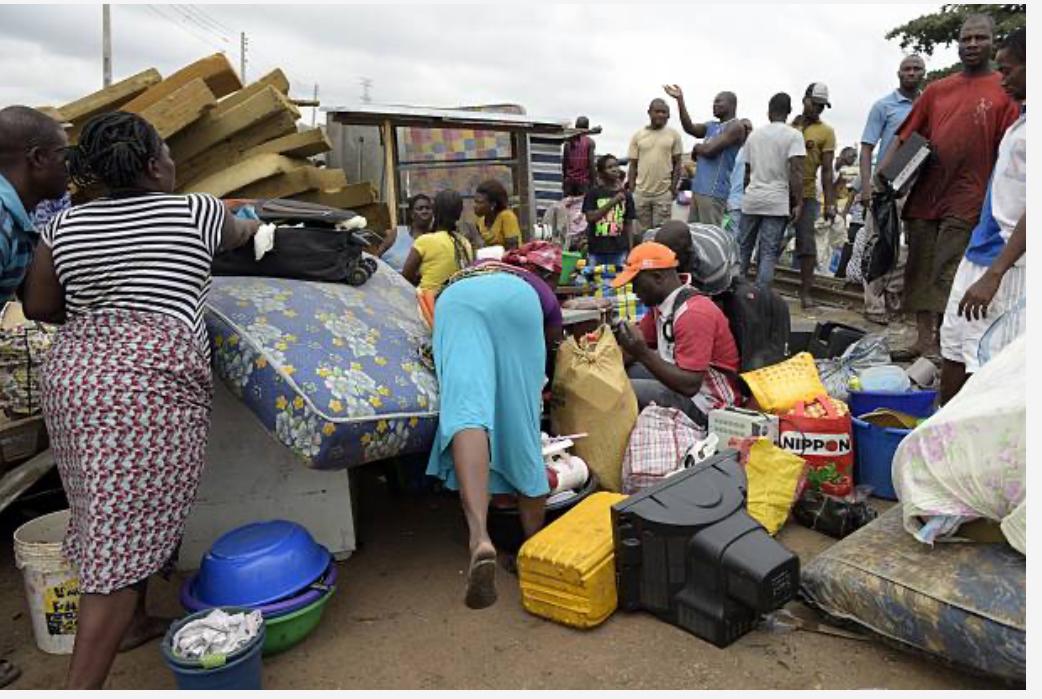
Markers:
{"x": 810, "y": 444}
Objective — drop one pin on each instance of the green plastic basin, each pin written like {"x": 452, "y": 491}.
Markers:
{"x": 284, "y": 632}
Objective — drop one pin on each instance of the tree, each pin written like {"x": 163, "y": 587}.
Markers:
{"x": 926, "y": 33}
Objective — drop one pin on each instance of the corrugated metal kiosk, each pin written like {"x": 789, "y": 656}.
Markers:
{"x": 418, "y": 149}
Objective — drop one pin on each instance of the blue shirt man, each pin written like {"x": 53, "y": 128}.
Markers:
{"x": 18, "y": 238}
{"x": 886, "y": 116}
{"x": 33, "y": 149}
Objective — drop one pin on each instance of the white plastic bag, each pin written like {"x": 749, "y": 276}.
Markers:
{"x": 970, "y": 458}
{"x": 869, "y": 351}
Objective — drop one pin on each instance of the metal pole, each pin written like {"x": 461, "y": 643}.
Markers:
{"x": 314, "y": 110}
{"x": 242, "y": 57}
{"x": 106, "y": 46}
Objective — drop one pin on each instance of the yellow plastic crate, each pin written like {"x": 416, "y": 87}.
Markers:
{"x": 567, "y": 570}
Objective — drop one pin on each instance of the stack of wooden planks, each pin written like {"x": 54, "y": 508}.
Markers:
{"x": 230, "y": 140}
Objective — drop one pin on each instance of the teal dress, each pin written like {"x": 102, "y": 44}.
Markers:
{"x": 490, "y": 358}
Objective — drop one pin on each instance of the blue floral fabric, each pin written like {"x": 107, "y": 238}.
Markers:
{"x": 963, "y": 602}
{"x": 332, "y": 371}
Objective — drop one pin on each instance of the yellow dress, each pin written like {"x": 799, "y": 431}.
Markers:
{"x": 504, "y": 227}
{"x": 437, "y": 258}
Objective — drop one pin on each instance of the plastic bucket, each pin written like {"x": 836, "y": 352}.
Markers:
{"x": 568, "y": 262}
{"x": 874, "y": 449}
{"x": 51, "y": 584}
{"x": 914, "y": 403}
{"x": 240, "y": 670}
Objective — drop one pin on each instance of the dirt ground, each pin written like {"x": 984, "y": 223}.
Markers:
{"x": 398, "y": 621}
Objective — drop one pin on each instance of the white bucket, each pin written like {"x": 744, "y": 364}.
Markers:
{"x": 51, "y": 584}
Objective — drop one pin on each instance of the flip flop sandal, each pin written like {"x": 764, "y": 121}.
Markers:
{"x": 9, "y": 672}
{"x": 481, "y": 583}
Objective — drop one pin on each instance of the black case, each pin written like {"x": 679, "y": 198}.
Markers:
{"x": 686, "y": 551}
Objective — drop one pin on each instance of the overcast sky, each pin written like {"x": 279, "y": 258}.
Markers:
{"x": 558, "y": 61}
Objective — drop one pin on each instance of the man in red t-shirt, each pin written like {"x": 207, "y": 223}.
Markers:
{"x": 685, "y": 356}
{"x": 963, "y": 117}
{"x": 578, "y": 163}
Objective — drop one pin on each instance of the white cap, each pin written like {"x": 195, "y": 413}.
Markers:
{"x": 818, "y": 93}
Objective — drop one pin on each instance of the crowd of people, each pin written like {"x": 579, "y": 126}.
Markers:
{"x": 127, "y": 386}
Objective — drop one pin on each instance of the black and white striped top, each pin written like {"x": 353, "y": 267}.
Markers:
{"x": 148, "y": 252}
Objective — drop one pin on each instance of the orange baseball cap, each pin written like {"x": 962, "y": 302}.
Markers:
{"x": 643, "y": 257}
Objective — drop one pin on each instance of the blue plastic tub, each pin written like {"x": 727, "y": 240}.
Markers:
{"x": 259, "y": 563}
{"x": 914, "y": 403}
{"x": 240, "y": 670}
{"x": 874, "y": 449}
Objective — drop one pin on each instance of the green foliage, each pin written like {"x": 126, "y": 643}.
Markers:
{"x": 924, "y": 34}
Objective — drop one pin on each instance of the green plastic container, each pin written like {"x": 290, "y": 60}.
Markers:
{"x": 568, "y": 262}
{"x": 284, "y": 632}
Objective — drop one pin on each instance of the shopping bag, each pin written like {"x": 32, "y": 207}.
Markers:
{"x": 778, "y": 387}
{"x": 593, "y": 395}
{"x": 657, "y": 446}
{"x": 820, "y": 431}
{"x": 773, "y": 476}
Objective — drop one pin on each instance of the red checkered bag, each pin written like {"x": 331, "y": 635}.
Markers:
{"x": 657, "y": 445}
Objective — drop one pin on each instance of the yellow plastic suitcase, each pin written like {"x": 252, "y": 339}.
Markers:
{"x": 567, "y": 570}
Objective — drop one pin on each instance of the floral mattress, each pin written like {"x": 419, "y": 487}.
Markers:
{"x": 332, "y": 371}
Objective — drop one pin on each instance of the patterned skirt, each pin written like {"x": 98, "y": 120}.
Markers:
{"x": 126, "y": 399}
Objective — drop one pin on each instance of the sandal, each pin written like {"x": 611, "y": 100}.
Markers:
{"x": 481, "y": 583}
{"x": 9, "y": 672}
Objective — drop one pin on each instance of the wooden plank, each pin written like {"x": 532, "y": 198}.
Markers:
{"x": 211, "y": 129}
{"x": 111, "y": 97}
{"x": 275, "y": 78}
{"x": 180, "y": 108}
{"x": 390, "y": 170}
{"x": 377, "y": 216}
{"x": 233, "y": 150}
{"x": 244, "y": 174}
{"x": 326, "y": 179}
{"x": 284, "y": 185}
{"x": 302, "y": 144}
{"x": 53, "y": 113}
{"x": 215, "y": 70}
{"x": 350, "y": 197}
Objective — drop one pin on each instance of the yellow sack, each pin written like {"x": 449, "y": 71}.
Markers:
{"x": 592, "y": 394}
{"x": 773, "y": 476}
{"x": 777, "y": 388}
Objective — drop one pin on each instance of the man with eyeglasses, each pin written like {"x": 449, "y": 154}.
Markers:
{"x": 32, "y": 170}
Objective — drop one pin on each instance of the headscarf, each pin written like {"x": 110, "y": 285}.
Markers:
{"x": 537, "y": 253}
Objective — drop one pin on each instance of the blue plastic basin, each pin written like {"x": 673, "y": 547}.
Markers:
{"x": 240, "y": 670}
{"x": 914, "y": 403}
{"x": 259, "y": 563}
{"x": 874, "y": 449}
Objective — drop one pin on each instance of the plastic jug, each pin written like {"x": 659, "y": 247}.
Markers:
{"x": 887, "y": 377}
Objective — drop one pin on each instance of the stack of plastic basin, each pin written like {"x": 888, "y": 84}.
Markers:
{"x": 874, "y": 446}
{"x": 275, "y": 567}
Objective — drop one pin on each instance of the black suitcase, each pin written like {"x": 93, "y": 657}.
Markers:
{"x": 307, "y": 246}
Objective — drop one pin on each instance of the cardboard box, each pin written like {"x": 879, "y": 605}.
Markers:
{"x": 739, "y": 423}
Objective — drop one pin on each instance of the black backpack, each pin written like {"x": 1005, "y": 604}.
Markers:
{"x": 759, "y": 322}
{"x": 316, "y": 251}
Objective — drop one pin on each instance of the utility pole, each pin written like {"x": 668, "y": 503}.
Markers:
{"x": 314, "y": 110}
{"x": 106, "y": 46}
{"x": 242, "y": 56}
{"x": 366, "y": 84}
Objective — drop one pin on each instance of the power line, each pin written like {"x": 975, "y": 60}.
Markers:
{"x": 155, "y": 10}
{"x": 197, "y": 12}
{"x": 185, "y": 17}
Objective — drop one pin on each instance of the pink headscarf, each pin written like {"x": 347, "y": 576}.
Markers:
{"x": 537, "y": 253}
